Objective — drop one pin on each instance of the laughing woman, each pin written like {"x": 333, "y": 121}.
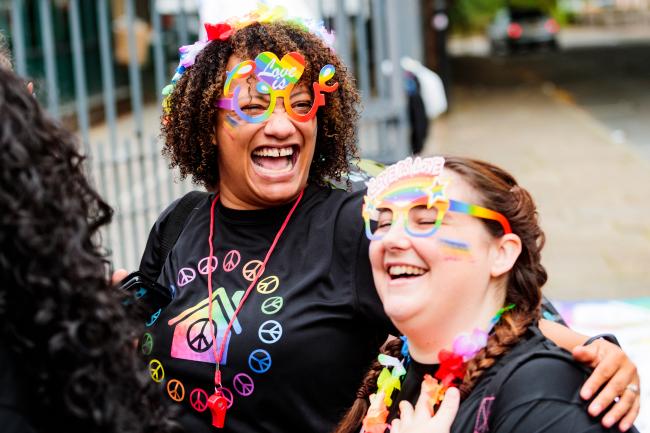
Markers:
{"x": 455, "y": 255}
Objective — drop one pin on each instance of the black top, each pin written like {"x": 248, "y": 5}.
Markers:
{"x": 15, "y": 407}
{"x": 304, "y": 337}
{"x": 540, "y": 395}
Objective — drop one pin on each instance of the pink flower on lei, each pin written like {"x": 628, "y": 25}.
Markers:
{"x": 468, "y": 346}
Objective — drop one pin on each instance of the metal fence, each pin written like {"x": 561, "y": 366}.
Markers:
{"x": 118, "y": 64}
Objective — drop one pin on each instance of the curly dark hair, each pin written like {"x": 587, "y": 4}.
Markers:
{"x": 64, "y": 327}
{"x": 499, "y": 191}
{"x": 189, "y": 128}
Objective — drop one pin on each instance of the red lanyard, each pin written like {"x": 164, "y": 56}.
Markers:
{"x": 217, "y": 402}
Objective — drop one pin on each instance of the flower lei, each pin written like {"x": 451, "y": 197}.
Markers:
{"x": 451, "y": 370}
{"x": 224, "y": 30}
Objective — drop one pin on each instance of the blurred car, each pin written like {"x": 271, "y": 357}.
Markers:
{"x": 515, "y": 28}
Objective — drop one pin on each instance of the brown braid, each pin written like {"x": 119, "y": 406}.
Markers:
{"x": 507, "y": 333}
{"x": 351, "y": 422}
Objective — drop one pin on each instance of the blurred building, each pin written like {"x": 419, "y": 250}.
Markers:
{"x": 146, "y": 34}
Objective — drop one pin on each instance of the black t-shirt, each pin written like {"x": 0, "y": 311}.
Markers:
{"x": 305, "y": 336}
{"x": 541, "y": 395}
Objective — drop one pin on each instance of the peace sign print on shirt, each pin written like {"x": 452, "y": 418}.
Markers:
{"x": 176, "y": 390}
{"x": 199, "y": 400}
{"x": 268, "y": 285}
{"x": 147, "y": 344}
{"x": 252, "y": 269}
{"x": 231, "y": 260}
{"x": 270, "y": 331}
{"x": 259, "y": 361}
{"x": 185, "y": 276}
{"x": 199, "y": 336}
{"x": 156, "y": 370}
{"x": 206, "y": 263}
{"x": 243, "y": 384}
{"x": 192, "y": 331}
{"x": 272, "y": 305}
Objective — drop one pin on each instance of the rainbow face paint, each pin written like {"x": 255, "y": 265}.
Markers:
{"x": 230, "y": 123}
{"x": 412, "y": 191}
{"x": 276, "y": 78}
{"x": 455, "y": 250}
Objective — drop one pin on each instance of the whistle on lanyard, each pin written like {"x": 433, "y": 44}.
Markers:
{"x": 218, "y": 404}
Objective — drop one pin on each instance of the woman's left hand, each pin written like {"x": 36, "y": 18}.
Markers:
{"x": 613, "y": 367}
{"x": 118, "y": 276}
{"x": 419, "y": 420}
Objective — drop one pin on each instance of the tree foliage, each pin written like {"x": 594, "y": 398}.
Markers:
{"x": 474, "y": 15}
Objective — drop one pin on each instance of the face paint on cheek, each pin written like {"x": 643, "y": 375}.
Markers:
{"x": 230, "y": 123}
{"x": 455, "y": 250}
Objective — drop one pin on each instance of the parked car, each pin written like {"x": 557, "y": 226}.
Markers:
{"x": 514, "y": 28}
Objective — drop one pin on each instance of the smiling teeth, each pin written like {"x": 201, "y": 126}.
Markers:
{"x": 274, "y": 152}
{"x": 408, "y": 270}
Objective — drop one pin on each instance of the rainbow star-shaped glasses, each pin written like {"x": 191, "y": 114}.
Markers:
{"x": 421, "y": 208}
{"x": 276, "y": 78}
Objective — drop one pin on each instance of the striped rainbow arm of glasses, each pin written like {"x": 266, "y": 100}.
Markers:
{"x": 480, "y": 212}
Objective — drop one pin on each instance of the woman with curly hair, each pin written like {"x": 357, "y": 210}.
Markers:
{"x": 273, "y": 228}
{"x": 66, "y": 343}
{"x": 275, "y": 316}
{"x": 455, "y": 252}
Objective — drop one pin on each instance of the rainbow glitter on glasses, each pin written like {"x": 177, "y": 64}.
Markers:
{"x": 420, "y": 202}
{"x": 277, "y": 78}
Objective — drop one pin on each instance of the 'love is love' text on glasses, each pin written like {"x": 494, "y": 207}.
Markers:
{"x": 277, "y": 78}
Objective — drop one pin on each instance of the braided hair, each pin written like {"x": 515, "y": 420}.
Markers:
{"x": 499, "y": 191}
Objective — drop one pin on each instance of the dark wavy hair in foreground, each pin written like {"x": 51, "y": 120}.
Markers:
{"x": 62, "y": 325}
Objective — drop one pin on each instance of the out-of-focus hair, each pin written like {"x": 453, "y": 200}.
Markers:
{"x": 65, "y": 328}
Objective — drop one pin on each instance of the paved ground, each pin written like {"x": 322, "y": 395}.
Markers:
{"x": 605, "y": 69}
{"x": 593, "y": 192}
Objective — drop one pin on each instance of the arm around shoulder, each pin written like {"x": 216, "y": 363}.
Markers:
{"x": 543, "y": 395}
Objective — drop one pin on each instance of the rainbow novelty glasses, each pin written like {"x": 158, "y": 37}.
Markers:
{"x": 421, "y": 217}
{"x": 277, "y": 78}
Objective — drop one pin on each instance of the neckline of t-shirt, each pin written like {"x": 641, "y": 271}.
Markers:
{"x": 423, "y": 368}
{"x": 261, "y": 216}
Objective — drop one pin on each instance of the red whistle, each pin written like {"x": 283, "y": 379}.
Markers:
{"x": 218, "y": 405}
